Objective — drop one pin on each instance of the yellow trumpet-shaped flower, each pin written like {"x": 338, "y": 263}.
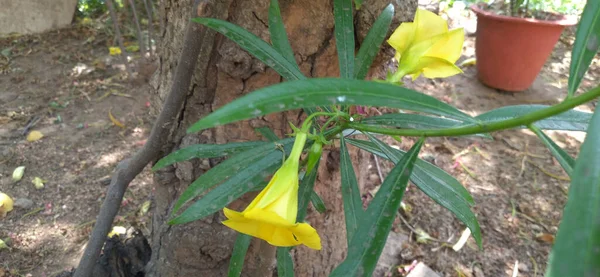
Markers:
{"x": 271, "y": 216}
{"x": 426, "y": 46}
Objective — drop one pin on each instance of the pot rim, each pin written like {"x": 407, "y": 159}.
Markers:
{"x": 565, "y": 21}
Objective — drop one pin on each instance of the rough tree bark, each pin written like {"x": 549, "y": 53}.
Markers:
{"x": 225, "y": 72}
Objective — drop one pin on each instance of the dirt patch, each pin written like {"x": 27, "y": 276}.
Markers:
{"x": 63, "y": 84}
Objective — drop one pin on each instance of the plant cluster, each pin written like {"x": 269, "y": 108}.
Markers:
{"x": 423, "y": 47}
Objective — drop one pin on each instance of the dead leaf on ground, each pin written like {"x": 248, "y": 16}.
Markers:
{"x": 34, "y": 136}
{"x": 114, "y": 120}
{"x": 544, "y": 237}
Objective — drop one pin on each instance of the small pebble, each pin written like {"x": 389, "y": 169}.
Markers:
{"x": 23, "y": 203}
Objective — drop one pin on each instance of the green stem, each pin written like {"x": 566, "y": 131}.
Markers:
{"x": 485, "y": 127}
{"x": 308, "y": 120}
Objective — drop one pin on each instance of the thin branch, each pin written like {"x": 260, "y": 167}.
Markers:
{"x": 150, "y": 25}
{"x": 127, "y": 170}
{"x": 113, "y": 16}
{"x": 137, "y": 28}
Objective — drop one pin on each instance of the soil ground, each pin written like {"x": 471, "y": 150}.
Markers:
{"x": 66, "y": 83}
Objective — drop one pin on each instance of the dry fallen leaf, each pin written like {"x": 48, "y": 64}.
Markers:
{"x": 34, "y": 135}
{"x": 38, "y": 183}
{"x": 6, "y": 204}
{"x": 114, "y": 120}
{"x": 468, "y": 62}
{"x": 544, "y": 237}
{"x": 2, "y": 246}
{"x": 144, "y": 208}
{"x": 117, "y": 230}
{"x": 18, "y": 173}
{"x": 462, "y": 240}
{"x": 113, "y": 51}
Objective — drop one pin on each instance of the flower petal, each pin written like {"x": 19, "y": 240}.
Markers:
{"x": 307, "y": 235}
{"x": 449, "y": 47}
{"x": 433, "y": 67}
{"x": 428, "y": 25}
{"x": 267, "y": 217}
{"x": 274, "y": 235}
{"x": 402, "y": 37}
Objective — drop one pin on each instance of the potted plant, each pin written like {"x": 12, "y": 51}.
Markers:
{"x": 514, "y": 41}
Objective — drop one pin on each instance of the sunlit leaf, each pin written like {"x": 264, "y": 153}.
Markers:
{"x": 571, "y": 120}
{"x": 322, "y": 92}
{"x": 372, "y": 42}
{"x": 587, "y": 41}
{"x": 205, "y": 151}
{"x": 255, "y": 46}
{"x": 564, "y": 159}
{"x": 34, "y": 136}
{"x": 368, "y": 242}
{"x": 236, "y": 263}
{"x": 279, "y": 37}
{"x": 344, "y": 36}
{"x": 353, "y": 210}
{"x": 577, "y": 246}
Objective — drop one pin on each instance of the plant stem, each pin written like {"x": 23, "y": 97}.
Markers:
{"x": 485, "y": 127}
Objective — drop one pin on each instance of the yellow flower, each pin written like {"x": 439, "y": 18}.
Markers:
{"x": 6, "y": 204}
{"x": 271, "y": 216}
{"x": 114, "y": 51}
{"x": 426, "y": 46}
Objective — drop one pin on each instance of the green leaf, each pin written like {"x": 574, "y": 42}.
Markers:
{"x": 234, "y": 168}
{"x": 372, "y": 42}
{"x": 414, "y": 121}
{"x": 322, "y": 92}
{"x": 373, "y": 230}
{"x": 304, "y": 193}
{"x": 344, "y": 36}
{"x": 358, "y": 4}
{"x": 353, "y": 210}
{"x": 429, "y": 178}
{"x": 205, "y": 151}
{"x": 236, "y": 263}
{"x": 571, "y": 120}
{"x": 577, "y": 246}
{"x": 255, "y": 46}
{"x": 435, "y": 183}
{"x": 267, "y": 133}
{"x": 564, "y": 159}
{"x": 279, "y": 37}
{"x": 317, "y": 202}
{"x": 587, "y": 40}
{"x": 285, "y": 264}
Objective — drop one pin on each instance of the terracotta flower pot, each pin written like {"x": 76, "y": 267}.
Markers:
{"x": 511, "y": 51}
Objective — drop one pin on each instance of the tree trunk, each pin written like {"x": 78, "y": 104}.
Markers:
{"x": 225, "y": 72}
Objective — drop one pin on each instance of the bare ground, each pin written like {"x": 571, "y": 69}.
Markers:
{"x": 519, "y": 189}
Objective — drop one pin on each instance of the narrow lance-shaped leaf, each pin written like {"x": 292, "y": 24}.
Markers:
{"x": 344, "y": 36}
{"x": 255, "y": 46}
{"x": 267, "y": 133}
{"x": 372, "y": 42}
{"x": 236, "y": 263}
{"x": 587, "y": 40}
{"x": 369, "y": 240}
{"x": 317, "y": 202}
{"x": 436, "y": 183}
{"x": 577, "y": 246}
{"x": 564, "y": 159}
{"x": 571, "y": 120}
{"x": 225, "y": 170}
{"x": 304, "y": 191}
{"x": 353, "y": 210}
{"x": 322, "y": 92}
{"x": 279, "y": 37}
{"x": 205, "y": 151}
{"x": 285, "y": 264}
{"x": 247, "y": 179}
{"x": 414, "y": 121}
